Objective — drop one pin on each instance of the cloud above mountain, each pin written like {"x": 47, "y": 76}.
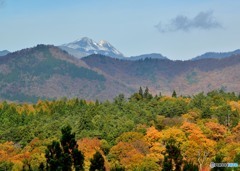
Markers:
{"x": 203, "y": 21}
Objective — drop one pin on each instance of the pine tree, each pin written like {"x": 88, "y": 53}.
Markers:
{"x": 41, "y": 167}
{"x": 140, "y": 92}
{"x": 97, "y": 102}
{"x": 173, "y": 155}
{"x": 174, "y": 94}
{"x": 218, "y": 159}
{"x": 78, "y": 160}
{"x": 54, "y": 156}
{"x": 190, "y": 166}
{"x": 97, "y": 162}
{"x": 64, "y": 156}
{"x": 146, "y": 93}
{"x": 167, "y": 164}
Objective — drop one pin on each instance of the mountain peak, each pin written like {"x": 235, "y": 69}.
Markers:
{"x": 88, "y": 46}
{"x": 103, "y": 43}
{"x": 85, "y": 40}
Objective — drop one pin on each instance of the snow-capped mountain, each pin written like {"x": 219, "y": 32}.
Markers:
{"x": 87, "y": 46}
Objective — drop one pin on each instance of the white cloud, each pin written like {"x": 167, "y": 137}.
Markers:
{"x": 203, "y": 20}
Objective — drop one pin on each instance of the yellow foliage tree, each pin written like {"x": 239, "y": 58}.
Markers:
{"x": 198, "y": 149}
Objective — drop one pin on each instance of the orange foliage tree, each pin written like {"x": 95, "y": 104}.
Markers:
{"x": 198, "y": 149}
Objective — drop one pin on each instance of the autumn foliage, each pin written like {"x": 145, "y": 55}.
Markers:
{"x": 139, "y": 133}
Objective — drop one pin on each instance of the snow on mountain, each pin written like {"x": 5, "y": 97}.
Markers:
{"x": 86, "y": 46}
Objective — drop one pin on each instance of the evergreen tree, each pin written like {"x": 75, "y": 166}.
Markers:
{"x": 68, "y": 144}
{"x": 173, "y": 155}
{"x": 97, "y": 102}
{"x": 78, "y": 160}
{"x": 167, "y": 164}
{"x": 190, "y": 167}
{"x": 54, "y": 156}
{"x": 41, "y": 167}
{"x": 97, "y": 162}
{"x": 206, "y": 113}
{"x": 237, "y": 158}
{"x": 160, "y": 94}
{"x": 218, "y": 159}
{"x": 174, "y": 94}
{"x": 140, "y": 92}
{"x": 4, "y": 165}
{"x": 117, "y": 168}
{"x": 64, "y": 156}
{"x": 146, "y": 93}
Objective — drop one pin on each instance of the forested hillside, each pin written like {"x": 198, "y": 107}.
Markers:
{"x": 186, "y": 77}
{"x": 144, "y": 132}
{"x": 47, "y": 72}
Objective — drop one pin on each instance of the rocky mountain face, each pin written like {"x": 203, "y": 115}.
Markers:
{"x": 48, "y": 72}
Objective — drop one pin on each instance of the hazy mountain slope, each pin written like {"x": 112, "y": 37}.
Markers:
{"x": 74, "y": 52}
{"x": 144, "y": 56}
{"x": 217, "y": 55}
{"x": 187, "y": 77}
{"x": 4, "y": 52}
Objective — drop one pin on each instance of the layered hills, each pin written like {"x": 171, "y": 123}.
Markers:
{"x": 48, "y": 72}
{"x": 186, "y": 77}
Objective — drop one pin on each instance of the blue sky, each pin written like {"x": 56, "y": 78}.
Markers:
{"x": 177, "y": 29}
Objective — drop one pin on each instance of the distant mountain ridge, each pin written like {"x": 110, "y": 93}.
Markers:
{"x": 47, "y": 72}
{"x": 4, "y": 52}
{"x": 151, "y": 55}
{"x": 86, "y": 46}
{"x": 217, "y": 55}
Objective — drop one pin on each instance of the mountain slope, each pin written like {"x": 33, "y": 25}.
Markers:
{"x": 216, "y": 55}
{"x": 4, "y": 52}
{"x": 87, "y": 46}
{"x": 48, "y": 72}
{"x": 144, "y": 56}
{"x": 186, "y": 77}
